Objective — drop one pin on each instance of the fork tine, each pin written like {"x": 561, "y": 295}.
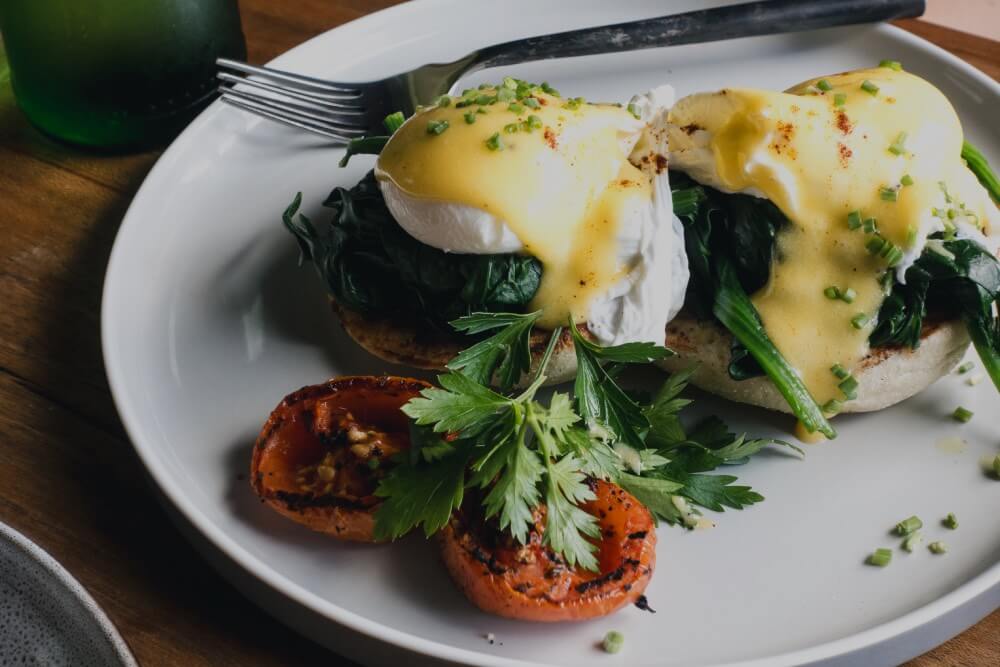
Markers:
{"x": 339, "y": 121}
{"x": 299, "y": 80}
{"x": 315, "y": 101}
{"x": 339, "y": 136}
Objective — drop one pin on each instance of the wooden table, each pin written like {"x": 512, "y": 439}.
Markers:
{"x": 69, "y": 478}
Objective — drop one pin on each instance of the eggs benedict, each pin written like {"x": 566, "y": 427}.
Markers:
{"x": 854, "y": 236}
{"x": 509, "y": 198}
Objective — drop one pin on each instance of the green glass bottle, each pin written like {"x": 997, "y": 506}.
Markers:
{"x": 116, "y": 73}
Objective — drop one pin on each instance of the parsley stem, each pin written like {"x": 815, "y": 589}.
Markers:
{"x": 737, "y": 313}
{"x": 540, "y": 378}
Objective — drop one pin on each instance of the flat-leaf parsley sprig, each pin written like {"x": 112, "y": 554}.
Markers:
{"x": 523, "y": 454}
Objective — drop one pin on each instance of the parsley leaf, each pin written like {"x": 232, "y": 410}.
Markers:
{"x": 417, "y": 495}
{"x": 462, "y": 406}
{"x": 565, "y": 523}
{"x": 665, "y": 428}
{"x": 715, "y": 491}
{"x": 515, "y": 493}
{"x": 655, "y": 493}
{"x": 600, "y": 400}
{"x": 506, "y": 353}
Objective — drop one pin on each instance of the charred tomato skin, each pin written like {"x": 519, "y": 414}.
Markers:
{"x": 529, "y": 582}
{"x": 307, "y": 464}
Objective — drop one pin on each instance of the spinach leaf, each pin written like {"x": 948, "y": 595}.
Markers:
{"x": 371, "y": 265}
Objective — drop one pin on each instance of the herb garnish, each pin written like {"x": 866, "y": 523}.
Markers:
{"x": 522, "y": 453}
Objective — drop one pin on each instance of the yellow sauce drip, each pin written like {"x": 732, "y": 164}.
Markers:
{"x": 561, "y": 188}
{"x": 805, "y": 435}
{"x": 818, "y": 162}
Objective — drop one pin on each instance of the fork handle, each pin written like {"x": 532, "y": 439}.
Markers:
{"x": 705, "y": 25}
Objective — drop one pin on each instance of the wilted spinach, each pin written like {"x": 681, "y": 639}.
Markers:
{"x": 371, "y": 265}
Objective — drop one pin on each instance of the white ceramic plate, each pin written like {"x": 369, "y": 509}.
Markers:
{"x": 208, "y": 322}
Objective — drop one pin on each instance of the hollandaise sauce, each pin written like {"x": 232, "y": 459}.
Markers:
{"x": 555, "y": 171}
{"x": 865, "y": 165}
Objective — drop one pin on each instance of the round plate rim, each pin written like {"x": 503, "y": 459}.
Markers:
{"x": 53, "y": 568}
{"x": 986, "y": 582}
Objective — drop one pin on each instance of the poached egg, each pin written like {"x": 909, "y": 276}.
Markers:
{"x": 581, "y": 187}
{"x": 850, "y": 158}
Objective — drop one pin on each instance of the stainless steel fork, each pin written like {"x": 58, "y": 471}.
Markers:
{"x": 344, "y": 111}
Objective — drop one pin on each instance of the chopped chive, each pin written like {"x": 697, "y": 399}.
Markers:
{"x": 849, "y": 387}
{"x": 470, "y": 117}
{"x": 832, "y": 407}
{"x": 485, "y": 86}
{"x": 996, "y": 466}
{"x": 574, "y": 103}
{"x": 634, "y": 111}
{"x": 950, "y": 522}
{"x": 549, "y": 89}
{"x": 839, "y": 372}
{"x": 907, "y": 526}
{"x": 510, "y": 83}
{"x": 481, "y": 110}
{"x": 975, "y": 379}
{"x": 483, "y": 100}
{"x": 436, "y": 126}
{"x": 824, "y": 85}
{"x": 839, "y": 99}
{"x": 906, "y": 180}
{"x": 506, "y": 95}
{"x": 848, "y": 295}
{"x": 938, "y": 547}
{"x": 965, "y": 368}
{"x": 832, "y": 292}
{"x": 898, "y": 146}
{"x": 888, "y": 194}
{"x": 495, "y": 143}
{"x": 912, "y": 540}
{"x": 875, "y": 245}
{"x": 613, "y": 642}
{"x": 962, "y": 415}
{"x": 911, "y": 236}
{"x": 893, "y": 255}
{"x": 869, "y": 87}
{"x": 859, "y": 321}
{"x": 880, "y": 558}
{"x": 531, "y": 102}
{"x": 510, "y": 128}
{"x": 870, "y": 226}
{"x": 534, "y": 122}
{"x": 394, "y": 121}
{"x": 515, "y": 107}
{"x": 854, "y": 219}
{"x": 951, "y": 214}
{"x": 443, "y": 101}
{"x": 891, "y": 64}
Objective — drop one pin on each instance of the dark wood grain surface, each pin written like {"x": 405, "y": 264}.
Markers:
{"x": 69, "y": 479}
